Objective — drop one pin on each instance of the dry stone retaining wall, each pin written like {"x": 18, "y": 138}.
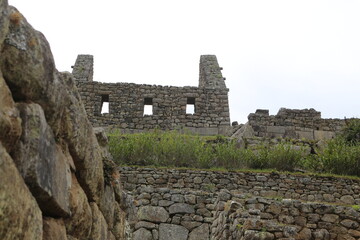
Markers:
{"x": 261, "y": 218}
{"x": 127, "y": 101}
{"x": 196, "y": 204}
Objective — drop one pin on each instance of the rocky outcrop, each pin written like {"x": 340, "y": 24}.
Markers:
{"x": 57, "y": 178}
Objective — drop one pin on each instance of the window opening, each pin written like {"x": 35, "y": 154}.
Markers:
{"x": 190, "y": 106}
{"x": 104, "y": 103}
{"x": 148, "y": 106}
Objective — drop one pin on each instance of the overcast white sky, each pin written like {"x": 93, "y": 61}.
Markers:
{"x": 275, "y": 53}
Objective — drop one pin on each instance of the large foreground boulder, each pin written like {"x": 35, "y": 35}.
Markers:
{"x": 10, "y": 122}
{"x": 42, "y": 164}
{"x": 20, "y": 215}
{"x": 52, "y": 166}
{"x": 29, "y": 70}
{"x": 4, "y": 20}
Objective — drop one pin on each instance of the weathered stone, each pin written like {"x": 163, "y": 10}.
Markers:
{"x": 332, "y": 218}
{"x": 177, "y": 198}
{"x": 197, "y": 180}
{"x": 328, "y": 198}
{"x": 83, "y": 144}
{"x": 142, "y": 234}
{"x": 253, "y": 224}
{"x": 28, "y": 67}
{"x": 20, "y": 214}
{"x": 261, "y": 178}
{"x": 190, "y": 199}
{"x": 171, "y": 231}
{"x": 143, "y": 224}
{"x": 165, "y": 203}
{"x": 190, "y": 225}
{"x": 101, "y": 136}
{"x": 155, "y": 234}
{"x": 99, "y": 228}
{"x": 42, "y": 163}
{"x": 107, "y": 205}
{"x": 10, "y": 122}
{"x": 246, "y": 131}
{"x": 79, "y": 225}
{"x": 54, "y": 229}
{"x": 347, "y": 199}
{"x": 181, "y": 208}
{"x": 304, "y": 234}
{"x": 153, "y": 214}
{"x": 321, "y": 234}
{"x": 224, "y": 195}
{"x": 313, "y": 218}
{"x": 345, "y": 237}
{"x": 255, "y": 235}
{"x": 120, "y": 223}
{"x": 29, "y": 70}
{"x": 200, "y": 233}
{"x": 274, "y": 208}
{"x": 4, "y": 20}
{"x": 144, "y": 196}
{"x": 354, "y": 233}
{"x": 111, "y": 236}
{"x": 290, "y": 231}
{"x": 203, "y": 212}
{"x": 349, "y": 223}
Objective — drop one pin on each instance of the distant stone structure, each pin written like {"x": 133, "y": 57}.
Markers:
{"x": 291, "y": 123}
{"x": 169, "y": 105}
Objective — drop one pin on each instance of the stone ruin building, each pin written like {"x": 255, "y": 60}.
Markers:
{"x": 168, "y": 105}
{"x": 295, "y": 124}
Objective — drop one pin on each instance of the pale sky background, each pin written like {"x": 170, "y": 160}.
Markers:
{"x": 293, "y": 54}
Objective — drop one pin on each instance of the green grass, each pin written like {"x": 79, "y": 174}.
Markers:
{"x": 174, "y": 149}
{"x": 340, "y": 156}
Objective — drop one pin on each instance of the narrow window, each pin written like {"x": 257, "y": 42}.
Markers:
{"x": 104, "y": 103}
{"x": 148, "y": 106}
{"x": 190, "y": 106}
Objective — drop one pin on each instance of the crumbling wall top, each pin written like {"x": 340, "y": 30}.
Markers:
{"x": 83, "y": 68}
{"x": 210, "y": 75}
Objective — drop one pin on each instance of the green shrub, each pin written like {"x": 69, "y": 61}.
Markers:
{"x": 258, "y": 157}
{"x": 337, "y": 157}
{"x": 173, "y": 149}
{"x": 284, "y": 157}
{"x": 351, "y": 132}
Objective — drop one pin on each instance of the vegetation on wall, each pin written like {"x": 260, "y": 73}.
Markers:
{"x": 173, "y": 149}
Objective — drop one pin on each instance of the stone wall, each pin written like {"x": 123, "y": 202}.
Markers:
{"x": 127, "y": 101}
{"x": 262, "y": 218}
{"x": 198, "y": 204}
{"x": 57, "y": 178}
{"x": 306, "y": 123}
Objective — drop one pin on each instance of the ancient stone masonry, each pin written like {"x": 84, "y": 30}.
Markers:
{"x": 57, "y": 179}
{"x": 306, "y": 123}
{"x": 169, "y": 104}
{"x": 195, "y": 204}
{"x": 84, "y": 68}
